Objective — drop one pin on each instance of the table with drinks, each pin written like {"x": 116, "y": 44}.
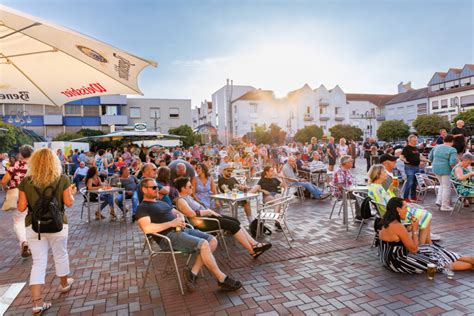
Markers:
{"x": 104, "y": 190}
{"x": 233, "y": 198}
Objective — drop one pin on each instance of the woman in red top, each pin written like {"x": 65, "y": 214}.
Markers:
{"x": 12, "y": 180}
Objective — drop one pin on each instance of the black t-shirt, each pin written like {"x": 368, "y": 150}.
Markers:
{"x": 460, "y": 141}
{"x": 412, "y": 155}
{"x": 230, "y": 182}
{"x": 269, "y": 184}
{"x": 439, "y": 140}
{"x": 159, "y": 212}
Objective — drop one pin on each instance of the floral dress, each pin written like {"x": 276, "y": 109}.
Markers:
{"x": 460, "y": 188}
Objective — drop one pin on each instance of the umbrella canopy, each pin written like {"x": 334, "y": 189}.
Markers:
{"x": 128, "y": 136}
{"x": 41, "y": 63}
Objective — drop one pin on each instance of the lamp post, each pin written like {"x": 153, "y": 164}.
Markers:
{"x": 21, "y": 118}
{"x": 369, "y": 115}
{"x": 288, "y": 124}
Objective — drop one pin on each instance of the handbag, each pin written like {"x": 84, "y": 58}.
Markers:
{"x": 11, "y": 200}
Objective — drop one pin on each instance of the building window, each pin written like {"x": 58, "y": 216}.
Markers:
{"x": 91, "y": 110}
{"x": 338, "y": 110}
{"x": 444, "y": 104}
{"x": 322, "y": 110}
{"x": 253, "y": 107}
{"x": 155, "y": 113}
{"x": 308, "y": 110}
{"x": 435, "y": 105}
{"x": 72, "y": 109}
{"x": 135, "y": 113}
{"x": 111, "y": 110}
{"x": 174, "y": 113}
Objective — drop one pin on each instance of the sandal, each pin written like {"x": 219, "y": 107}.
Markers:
{"x": 99, "y": 216}
{"x": 67, "y": 288}
{"x": 112, "y": 216}
{"x": 25, "y": 250}
{"x": 38, "y": 310}
{"x": 259, "y": 249}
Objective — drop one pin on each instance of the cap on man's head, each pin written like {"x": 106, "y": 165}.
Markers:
{"x": 227, "y": 166}
{"x": 386, "y": 157}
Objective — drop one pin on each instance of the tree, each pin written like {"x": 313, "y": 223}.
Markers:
{"x": 190, "y": 138}
{"x": 12, "y": 138}
{"x": 304, "y": 135}
{"x": 263, "y": 135}
{"x": 67, "y": 136}
{"x": 393, "y": 130}
{"x": 467, "y": 117}
{"x": 349, "y": 132}
{"x": 429, "y": 125}
{"x": 278, "y": 135}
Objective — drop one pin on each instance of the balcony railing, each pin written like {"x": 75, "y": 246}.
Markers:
{"x": 324, "y": 117}
{"x": 324, "y": 102}
{"x": 308, "y": 118}
{"x": 381, "y": 117}
{"x": 339, "y": 117}
{"x": 114, "y": 120}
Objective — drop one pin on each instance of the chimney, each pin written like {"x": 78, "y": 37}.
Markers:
{"x": 404, "y": 87}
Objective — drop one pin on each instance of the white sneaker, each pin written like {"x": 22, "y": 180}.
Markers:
{"x": 435, "y": 237}
{"x": 446, "y": 209}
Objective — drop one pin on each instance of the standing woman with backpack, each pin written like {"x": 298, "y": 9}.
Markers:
{"x": 43, "y": 194}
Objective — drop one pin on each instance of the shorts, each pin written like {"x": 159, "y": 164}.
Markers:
{"x": 187, "y": 241}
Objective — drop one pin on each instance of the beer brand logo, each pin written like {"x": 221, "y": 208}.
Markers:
{"x": 84, "y": 90}
{"x": 123, "y": 67}
{"x": 92, "y": 54}
{"x": 139, "y": 127}
{"x": 21, "y": 95}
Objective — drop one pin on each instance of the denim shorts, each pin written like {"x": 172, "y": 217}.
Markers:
{"x": 188, "y": 240}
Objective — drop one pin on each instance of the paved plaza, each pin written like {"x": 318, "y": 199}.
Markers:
{"x": 327, "y": 271}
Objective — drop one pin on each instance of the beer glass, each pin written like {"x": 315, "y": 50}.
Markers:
{"x": 431, "y": 271}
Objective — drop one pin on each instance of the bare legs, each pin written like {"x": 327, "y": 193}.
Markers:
{"x": 206, "y": 258}
{"x": 245, "y": 240}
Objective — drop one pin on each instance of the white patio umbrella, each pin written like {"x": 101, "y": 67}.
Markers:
{"x": 41, "y": 63}
{"x": 129, "y": 136}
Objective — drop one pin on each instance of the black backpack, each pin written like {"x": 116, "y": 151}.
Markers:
{"x": 47, "y": 214}
{"x": 363, "y": 211}
{"x": 264, "y": 230}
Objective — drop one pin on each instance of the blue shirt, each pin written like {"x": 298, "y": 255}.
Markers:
{"x": 442, "y": 158}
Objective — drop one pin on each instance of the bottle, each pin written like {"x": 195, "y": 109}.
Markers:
{"x": 119, "y": 183}
{"x": 180, "y": 216}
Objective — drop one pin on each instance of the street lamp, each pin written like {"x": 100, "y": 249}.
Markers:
{"x": 369, "y": 115}
{"x": 21, "y": 118}
{"x": 288, "y": 124}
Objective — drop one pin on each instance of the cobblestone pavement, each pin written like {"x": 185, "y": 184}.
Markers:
{"x": 326, "y": 272}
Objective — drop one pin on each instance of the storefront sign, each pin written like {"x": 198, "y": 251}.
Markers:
{"x": 84, "y": 90}
{"x": 92, "y": 54}
{"x": 140, "y": 127}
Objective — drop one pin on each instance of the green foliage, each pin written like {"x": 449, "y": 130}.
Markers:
{"x": 349, "y": 132}
{"x": 393, "y": 130}
{"x": 467, "y": 117}
{"x": 190, "y": 138}
{"x": 65, "y": 137}
{"x": 304, "y": 135}
{"x": 90, "y": 132}
{"x": 12, "y": 138}
{"x": 429, "y": 125}
{"x": 264, "y": 135}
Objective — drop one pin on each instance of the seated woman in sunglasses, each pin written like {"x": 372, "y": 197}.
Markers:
{"x": 193, "y": 210}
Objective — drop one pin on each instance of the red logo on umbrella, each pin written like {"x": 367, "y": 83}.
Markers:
{"x": 91, "y": 89}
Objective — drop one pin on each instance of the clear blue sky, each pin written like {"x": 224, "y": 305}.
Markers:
{"x": 363, "y": 46}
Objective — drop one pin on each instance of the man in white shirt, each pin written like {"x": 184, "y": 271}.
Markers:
{"x": 80, "y": 174}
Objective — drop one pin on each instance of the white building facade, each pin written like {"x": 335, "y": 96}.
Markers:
{"x": 159, "y": 114}
{"x": 451, "y": 92}
{"x": 406, "y": 106}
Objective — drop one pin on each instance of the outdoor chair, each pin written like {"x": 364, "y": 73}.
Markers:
{"x": 275, "y": 211}
{"x": 378, "y": 208}
{"x": 360, "y": 197}
{"x": 219, "y": 233}
{"x": 333, "y": 188}
{"x": 425, "y": 183}
{"x": 86, "y": 200}
{"x": 289, "y": 190}
{"x": 460, "y": 199}
{"x": 154, "y": 253}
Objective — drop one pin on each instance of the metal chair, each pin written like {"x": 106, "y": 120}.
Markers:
{"x": 333, "y": 188}
{"x": 275, "y": 211}
{"x": 86, "y": 202}
{"x": 153, "y": 253}
{"x": 460, "y": 199}
{"x": 289, "y": 190}
{"x": 425, "y": 183}
{"x": 360, "y": 196}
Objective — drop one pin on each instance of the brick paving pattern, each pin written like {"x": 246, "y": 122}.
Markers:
{"x": 326, "y": 272}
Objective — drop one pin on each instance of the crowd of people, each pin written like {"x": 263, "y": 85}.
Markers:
{"x": 164, "y": 184}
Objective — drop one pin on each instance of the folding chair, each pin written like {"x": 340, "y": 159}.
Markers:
{"x": 459, "y": 198}
{"x": 153, "y": 253}
{"x": 333, "y": 188}
{"x": 268, "y": 213}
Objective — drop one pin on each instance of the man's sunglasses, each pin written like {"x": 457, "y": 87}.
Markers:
{"x": 153, "y": 187}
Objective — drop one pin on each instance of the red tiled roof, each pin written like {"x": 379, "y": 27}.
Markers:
{"x": 457, "y": 70}
{"x": 257, "y": 95}
{"x": 377, "y": 99}
{"x": 414, "y": 94}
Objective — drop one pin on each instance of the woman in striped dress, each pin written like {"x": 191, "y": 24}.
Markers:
{"x": 377, "y": 176}
{"x": 399, "y": 252}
